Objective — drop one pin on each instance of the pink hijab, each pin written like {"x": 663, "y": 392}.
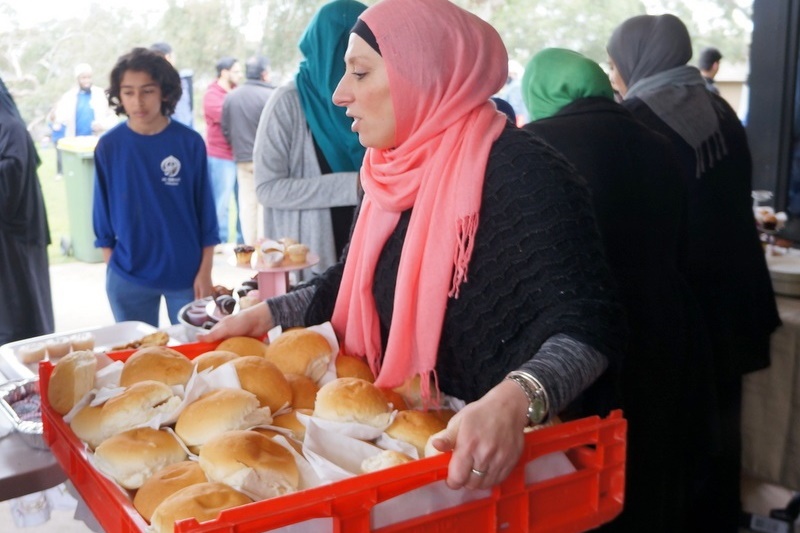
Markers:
{"x": 443, "y": 64}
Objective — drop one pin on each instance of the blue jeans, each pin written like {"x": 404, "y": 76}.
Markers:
{"x": 130, "y": 301}
{"x": 222, "y": 174}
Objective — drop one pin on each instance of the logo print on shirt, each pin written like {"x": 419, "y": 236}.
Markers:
{"x": 171, "y": 167}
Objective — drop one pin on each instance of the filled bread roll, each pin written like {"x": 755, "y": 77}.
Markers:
{"x": 353, "y": 400}
{"x": 300, "y": 351}
{"x": 243, "y": 346}
{"x": 201, "y": 501}
{"x": 250, "y": 462}
{"x": 265, "y": 380}
{"x": 415, "y": 428}
{"x": 350, "y": 366}
{"x": 71, "y": 379}
{"x": 213, "y": 359}
{"x": 132, "y": 456}
{"x": 304, "y": 391}
{"x": 213, "y": 413}
{"x": 157, "y": 363}
{"x": 165, "y": 482}
{"x": 384, "y": 459}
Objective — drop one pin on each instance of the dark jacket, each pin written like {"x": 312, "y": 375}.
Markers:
{"x": 241, "y": 111}
{"x": 726, "y": 265}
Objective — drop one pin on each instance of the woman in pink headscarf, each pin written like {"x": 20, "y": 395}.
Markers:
{"x": 475, "y": 262}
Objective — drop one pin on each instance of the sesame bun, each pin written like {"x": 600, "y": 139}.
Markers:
{"x": 71, "y": 379}
{"x": 289, "y": 421}
{"x": 158, "y": 363}
{"x": 394, "y": 397}
{"x": 134, "y": 407}
{"x": 201, "y": 501}
{"x": 213, "y": 359}
{"x": 132, "y": 456}
{"x": 353, "y": 400}
{"x": 350, "y": 366}
{"x": 213, "y": 413}
{"x": 415, "y": 427}
{"x": 304, "y": 391}
{"x": 384, "y": 459}
{"x": 263, "y": 379}
{"x": 300, "y": 351}
{"x": 243, "y": 346}
{"x": 165, "y": 482}
{"x": 250, "y": 462}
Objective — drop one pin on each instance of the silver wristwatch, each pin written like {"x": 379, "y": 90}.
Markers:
{"x": 538, "y": 403}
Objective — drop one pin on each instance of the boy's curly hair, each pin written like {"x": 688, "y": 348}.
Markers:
{"x": 162, "y": 72}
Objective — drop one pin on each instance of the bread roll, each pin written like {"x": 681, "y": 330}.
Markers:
{"x": 384, "y": 459}
{"x": 201, "y": 501}
{"x": 134, "y": 407}
{"x": 350, "y": 366}
{"x": 243, "y": 346}
{"x": 415, "y": 427}
{"x": 265, "y": 380}
{"x": 304, "y": 391}
{"x": 213, "y": 413}
{"x": 164, "y": 482}
{"x": 353, "y": 400}
{"x": 271, "y": 434}
{"x": 132, "y": 456}
{"x": 250, "y": 462}
{"x": 300, "y": 351}
{"x": 395, "y": 398}
{"x": 157, "y": 363}
{"x": 71, "y": 379}
{"x": 213, "y": 359}
{"x": 289, "y": 421}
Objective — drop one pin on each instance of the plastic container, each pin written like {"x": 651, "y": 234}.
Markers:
{"x": 78, "y": 161}
{"x": 578, "y": 501}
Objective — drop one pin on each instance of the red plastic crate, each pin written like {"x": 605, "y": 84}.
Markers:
{"x": 579, "y": 501}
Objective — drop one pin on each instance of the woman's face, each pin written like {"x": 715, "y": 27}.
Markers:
{"x": 616, "y": 80}
{"x": 364, "y": 91}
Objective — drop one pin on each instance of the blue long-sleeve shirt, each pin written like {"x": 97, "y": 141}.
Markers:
{"x": 153, "y": 204}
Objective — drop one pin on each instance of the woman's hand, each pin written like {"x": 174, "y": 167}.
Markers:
{"x": 486, "y": 438}
{"x": 254, "y": 321}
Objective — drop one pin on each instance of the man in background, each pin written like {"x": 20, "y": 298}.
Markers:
{"x": 221, "y": 167}
{"x": 709, "y": 66}
{"x": 83, "y": 110}
{"x": 184, "y": 111}
{"x": 241, "y": 111}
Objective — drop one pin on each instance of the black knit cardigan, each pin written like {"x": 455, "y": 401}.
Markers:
{"x": 537, "y": 270}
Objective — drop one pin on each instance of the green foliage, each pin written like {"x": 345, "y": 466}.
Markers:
{"x": 37, "y": 62}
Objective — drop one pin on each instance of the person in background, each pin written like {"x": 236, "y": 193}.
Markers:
{"x": 306, "y": 157}
{"x": 639, "y": 199}
{"x": 725, "y": 267}
{"x": 184, "y": 109}
{"x": 221, "y": 167}
{"x": 83, "y": 110}
{"x": 505, "y": 107}
{"x": 153, "y": 211}
{"x": 24, "y": 232}
{"x": 241, "y": 111}
{"x": 460, "y": 271}
{"x": 709, "y": 66}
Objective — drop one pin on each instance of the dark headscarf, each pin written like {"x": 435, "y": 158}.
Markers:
{"x": 323, "y": 45}
{"x": 555, "y": 77}
{"x": 651, "y": 55}
{"x": 7, "y": 101}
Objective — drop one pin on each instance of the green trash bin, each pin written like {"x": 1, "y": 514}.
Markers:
{"x": 78, "y": 164}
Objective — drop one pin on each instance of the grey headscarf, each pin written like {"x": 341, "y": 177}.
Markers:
{"x": 651, "y": 55}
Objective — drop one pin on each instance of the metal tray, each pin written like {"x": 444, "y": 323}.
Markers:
{"x": 26, "y": 417}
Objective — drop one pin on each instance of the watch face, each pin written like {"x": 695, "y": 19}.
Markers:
{"x": 536, "y": 411}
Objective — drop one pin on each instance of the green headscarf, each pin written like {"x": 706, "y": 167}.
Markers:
{"x": 323, "y": 45}
{"x": 556, "y": 77}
